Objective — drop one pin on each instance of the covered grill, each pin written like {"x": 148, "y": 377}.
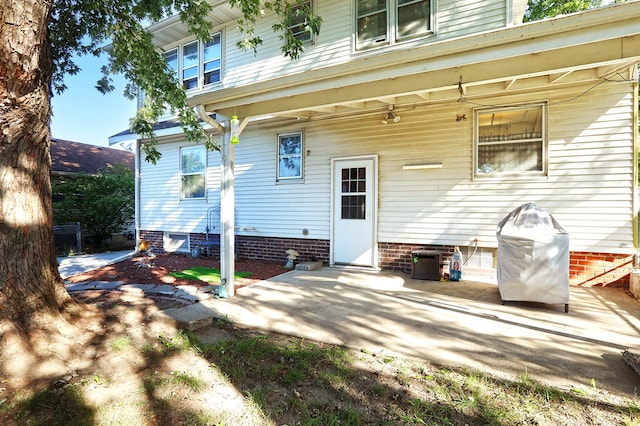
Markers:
{"x": 533, "y": 257}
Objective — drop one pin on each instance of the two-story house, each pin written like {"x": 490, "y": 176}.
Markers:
{"x": 407, "y": 125}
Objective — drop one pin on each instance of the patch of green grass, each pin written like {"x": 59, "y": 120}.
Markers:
{"x": 64, "y": 406}
{"x": 194, "y": 383}
{"x": 202, "y": 273}
{"x": 121, "y": 343}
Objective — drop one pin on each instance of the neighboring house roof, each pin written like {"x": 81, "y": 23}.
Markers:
{"x": 69, "y": 157}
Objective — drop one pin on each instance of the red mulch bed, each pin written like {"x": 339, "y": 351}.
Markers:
{"x": 143, "y": 270}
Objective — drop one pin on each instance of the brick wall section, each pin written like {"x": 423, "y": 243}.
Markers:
{"x": 397, "y": 256}
{"x": 585, "y": 268}
{"x": 155, "y": 239}
{"x": 600, "y": 269}
{"x": 273, "y": 249}
{"x": 257, "y": 248}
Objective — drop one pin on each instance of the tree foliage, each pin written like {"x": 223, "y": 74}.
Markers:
{"x": 103, "y": 203}
{"x": 86, "y": 26}
{"x": 541, "y": 9}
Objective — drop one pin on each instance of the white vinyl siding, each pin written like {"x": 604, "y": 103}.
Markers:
{"x": 589, "y": 188}
{"x": 336, "y": 43}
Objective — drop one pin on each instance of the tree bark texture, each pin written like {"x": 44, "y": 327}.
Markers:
{"x": 29, "y": 280}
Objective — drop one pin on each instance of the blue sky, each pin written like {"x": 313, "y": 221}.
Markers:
{"x": 82, "y": 114}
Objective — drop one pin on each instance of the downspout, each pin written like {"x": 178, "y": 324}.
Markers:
{"x": 136, "y": 194}
{"x": 636, "y": 120}
{"x": 227, "y": 207}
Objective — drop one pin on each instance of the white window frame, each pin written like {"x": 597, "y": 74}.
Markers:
{"x": 169, "y": 247}
{"x": 195, "y": 66}
{"x": 216, "y": 37}
{"x": 521, "y": 135}
{"x": 184, "y": 173}
{"x": 201, "y": 62}
{"x": 280, "y": 137}
{"x": 302, "y": 36}
{"x": 391, "y": 36}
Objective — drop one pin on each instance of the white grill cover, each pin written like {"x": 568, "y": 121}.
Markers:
{"x": 533, "y": 257}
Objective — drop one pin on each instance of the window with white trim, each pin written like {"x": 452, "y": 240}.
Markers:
{"x": 175, "y": 242}
{"x": 289, "y": 156}
{"x": 193, "y": 166}
{"x": 196, "y": 64}
{"x": 384, "y": 22}
{"x": 511, "y": 141}
{"x": 298, "y": 21}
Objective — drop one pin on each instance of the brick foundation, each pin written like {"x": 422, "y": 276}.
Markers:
{"x": 155, "y": 240}
{"x": 257, "y": 248}
{"x": 600, "y": 269}
{"x": 585, "y": 268}
{"x": 273, "y": 249}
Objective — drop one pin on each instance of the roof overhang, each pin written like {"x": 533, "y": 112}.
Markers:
{"x": 172, "y": 29}
{"x": 577, "y": 48}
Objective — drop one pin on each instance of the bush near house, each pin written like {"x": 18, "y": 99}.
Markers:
{"x": 103, "y": 202}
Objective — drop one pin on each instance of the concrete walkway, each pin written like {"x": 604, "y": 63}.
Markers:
{"x": 445, "y": 323}
{"x": 72, "y": 265}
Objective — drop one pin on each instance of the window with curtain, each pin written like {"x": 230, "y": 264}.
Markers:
{"x": 289, "y": 156}
{"x": 511, "y": 141}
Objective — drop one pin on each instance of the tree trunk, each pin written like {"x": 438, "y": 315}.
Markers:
{"x": 30, "y": 285}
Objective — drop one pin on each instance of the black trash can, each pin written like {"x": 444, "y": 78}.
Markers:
{"x": 426, "y": 265}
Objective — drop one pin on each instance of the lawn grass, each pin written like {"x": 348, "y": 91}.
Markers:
{"x": 206, "y": 274}
{"x": 256, "y": 378}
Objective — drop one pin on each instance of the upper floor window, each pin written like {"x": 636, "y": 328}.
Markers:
{"x": 382, "y": 22}
{"x": 193, "y": 166}
{"x": 511, "y": 141}
{"x": 190, "y": 64}
{"x": 197, "y": 65}
{"x": 298, "y": 20}
{"x": 290, "y": 156}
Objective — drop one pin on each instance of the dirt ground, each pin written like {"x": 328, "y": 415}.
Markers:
{"x": 156, "y": 270}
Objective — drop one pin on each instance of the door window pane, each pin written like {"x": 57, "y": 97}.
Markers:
{"x": 354, "y": 183}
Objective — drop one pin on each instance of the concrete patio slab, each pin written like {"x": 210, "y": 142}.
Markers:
{"x": 447, "y": 323}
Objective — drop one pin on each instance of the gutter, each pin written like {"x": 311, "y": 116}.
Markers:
{"x": 423, "y": 58}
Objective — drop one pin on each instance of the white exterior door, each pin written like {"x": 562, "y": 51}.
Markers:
{"x": 354, "y": 212}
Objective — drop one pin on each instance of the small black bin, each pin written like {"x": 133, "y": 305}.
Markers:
{"x": 426, "y": 264}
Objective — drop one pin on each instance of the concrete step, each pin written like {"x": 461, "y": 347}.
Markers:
{"x": 308, "y": 266}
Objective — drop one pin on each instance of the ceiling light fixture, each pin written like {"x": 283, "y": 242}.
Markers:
{"x": 390, "y": 117}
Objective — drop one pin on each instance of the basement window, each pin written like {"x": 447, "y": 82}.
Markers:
{"x": 174, "y": 242}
